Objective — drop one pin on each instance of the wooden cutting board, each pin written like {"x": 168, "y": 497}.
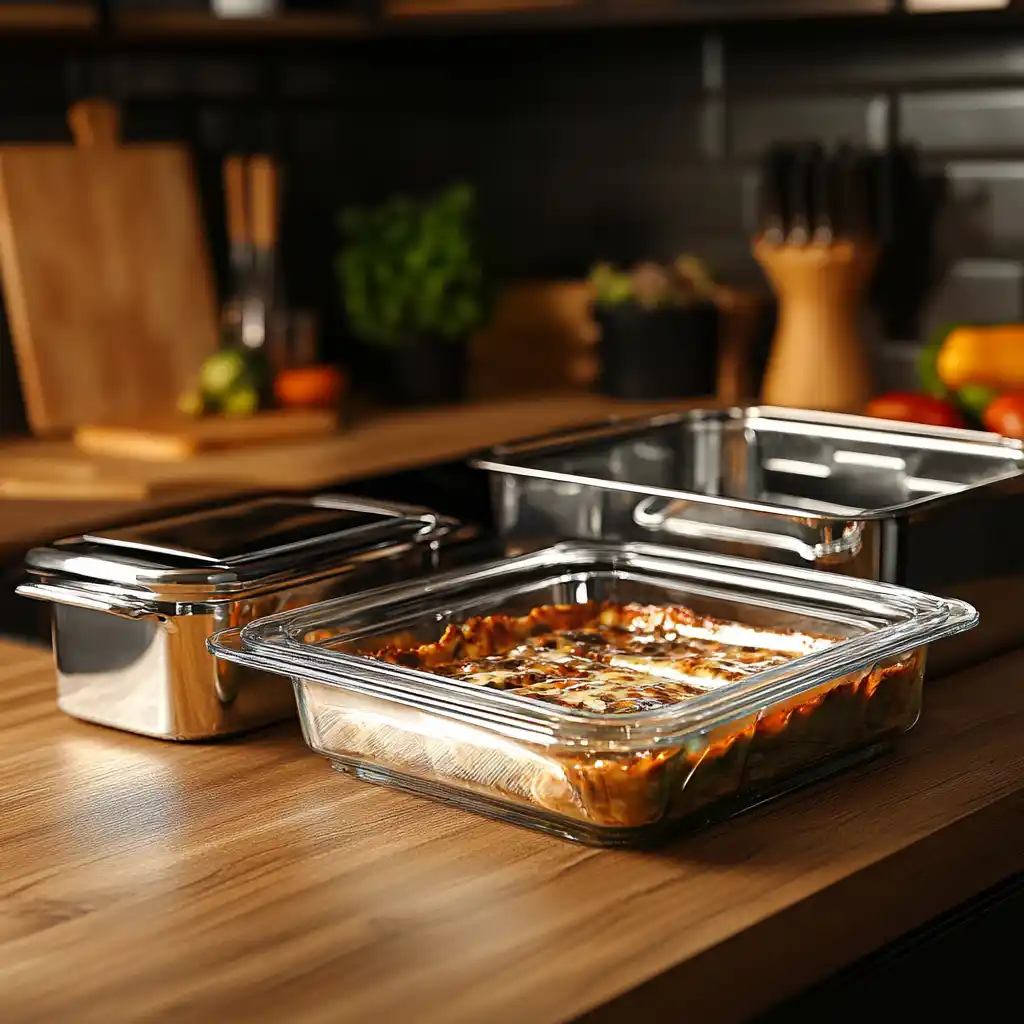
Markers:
{"x": 106, "y": 275}
{"x": 55, "y": 470}
{"x": 180, "y": 439}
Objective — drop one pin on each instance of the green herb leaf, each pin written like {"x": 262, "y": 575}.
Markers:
{"x": 409, "y": 269}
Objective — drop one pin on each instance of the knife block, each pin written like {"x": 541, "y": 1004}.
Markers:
{"x": 819, "y": 358}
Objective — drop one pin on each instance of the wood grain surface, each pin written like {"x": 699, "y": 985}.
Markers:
{"x": 106, "y": 278}
{"x": 204, "y": 24}
{"x": 142, "y": 881}
{"x": 178, "y": 439}
{"x": 48, "y": 17}
{"x": 433, "y": 8}
{"x": 375, "y": 445}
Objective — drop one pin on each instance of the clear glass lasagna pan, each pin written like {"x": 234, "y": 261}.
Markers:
{"x": 620, "y": 689}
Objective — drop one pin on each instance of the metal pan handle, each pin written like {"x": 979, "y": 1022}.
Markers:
{"x": 85, "y": 599}
{"x": 657, "y": 514}
{"x": 435, "y": 526}
{"x": 396, "y": 508}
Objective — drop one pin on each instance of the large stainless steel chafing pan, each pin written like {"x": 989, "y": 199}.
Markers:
{"x": 932, "y": 509}
{"x": 133, "y": 607}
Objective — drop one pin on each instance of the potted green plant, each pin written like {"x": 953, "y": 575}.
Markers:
{"x": 659, "y": 329}
{"x": 414, "y": 292}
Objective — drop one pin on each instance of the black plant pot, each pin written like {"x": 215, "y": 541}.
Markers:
{"x": 658, "y": 353}
{"x": 424, "y": 371}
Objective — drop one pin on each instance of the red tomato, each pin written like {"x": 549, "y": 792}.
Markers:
{"x": 913, "y": 408}
{"x": 1005, "y": 415}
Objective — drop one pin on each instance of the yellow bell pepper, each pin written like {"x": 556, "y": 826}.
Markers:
{"x": 989, "y": 356}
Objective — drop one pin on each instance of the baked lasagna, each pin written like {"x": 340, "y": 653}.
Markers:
{"x": 614, "y": 659}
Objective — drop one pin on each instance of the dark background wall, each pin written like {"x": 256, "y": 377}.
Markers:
{"x": 614, "y": 143}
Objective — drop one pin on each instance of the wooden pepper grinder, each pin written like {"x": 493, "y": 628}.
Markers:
{"x": 818, "y": 253}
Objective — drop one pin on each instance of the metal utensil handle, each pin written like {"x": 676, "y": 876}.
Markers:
{"x": 84, "y": 599}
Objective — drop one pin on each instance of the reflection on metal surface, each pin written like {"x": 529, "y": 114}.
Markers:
{"x": 796, "y": 466}
{"x": 934, "y": 509}
{"x": 657, "y": 515}
{"x": 133, "y": 608}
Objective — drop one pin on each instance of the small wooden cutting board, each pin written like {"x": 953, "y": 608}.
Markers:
{"x": 175, "y": 440}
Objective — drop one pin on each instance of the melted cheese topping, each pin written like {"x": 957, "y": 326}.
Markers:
{"x": 610, "y": 658}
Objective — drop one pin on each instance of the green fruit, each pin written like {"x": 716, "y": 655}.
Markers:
{"x": 927, "y": 369}
{"x": 242, "y": 401}
{"x": 975, "y": 398}
{"x": 191, "y": 404}
{"x": 221, "y": 372}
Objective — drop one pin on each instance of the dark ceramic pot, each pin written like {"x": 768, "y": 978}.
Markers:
{"x": 658, "y": 353}
{"x": 426, "y": 371}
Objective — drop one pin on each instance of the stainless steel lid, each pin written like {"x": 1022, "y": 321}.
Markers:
{"x": 227, "y": 551}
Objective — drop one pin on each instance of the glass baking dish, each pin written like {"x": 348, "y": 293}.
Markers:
{"x": 603, "y": 778}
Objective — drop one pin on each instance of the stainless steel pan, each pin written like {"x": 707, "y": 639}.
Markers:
{"x": 933, "y": 509}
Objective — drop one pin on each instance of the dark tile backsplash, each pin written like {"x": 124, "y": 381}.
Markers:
{"x": 979, "y": 121}
{"x": 869, "y": 56}
{"x": 754, "y": 123}
{"x": 617, "y": 144}
{"x": 986, "y": 207}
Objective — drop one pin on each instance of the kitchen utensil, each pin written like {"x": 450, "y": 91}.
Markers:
{"x": 774, "y": 198}
{"x": 180, "y": 439}
{"x": 262, "y": 297}
{"x": 133, "y": 607}
{"x": 819, "y": 260}
{"x": 236, "y": 205}
{"x": 608, "y": 778}
{"x": 252, "y": 199}
{"x": 852, "y": 214}
{"x": 928, "y": 508}
{"x": 801, "y": 203}
{"x": 106, "y": 274}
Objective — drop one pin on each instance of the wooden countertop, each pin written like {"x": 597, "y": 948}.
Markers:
{"x": 147, "y": 881}
{"x": 375, "y": 445}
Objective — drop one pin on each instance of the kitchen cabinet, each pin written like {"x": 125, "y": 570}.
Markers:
{"x": 56, "y": 18}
